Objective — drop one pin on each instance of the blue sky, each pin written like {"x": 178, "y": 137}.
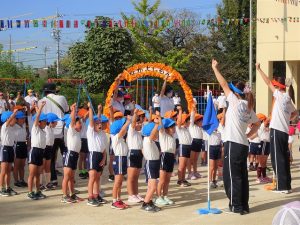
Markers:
{"x": 72, "y": 9}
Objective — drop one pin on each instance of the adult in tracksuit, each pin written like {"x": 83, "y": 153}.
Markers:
{"x": 283, "y": 112}
{"x": 238, "y": 115}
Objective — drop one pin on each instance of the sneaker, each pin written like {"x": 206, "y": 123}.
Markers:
{"x": 102, "y": 194}
{"x": 140, "y": 198}
{"x": 76, "y": 198}
{"x": 93, "y": 202}
{"x": 67, "y": 199}
{"x": 169, "y": 201}
{"x": 4, "y": 193}
{"x": 50, "y": 186}
{"x": 76, "y": 191}
{"x": 193, "y": 177}
{"x": 198, "y": 175}
{"x": 126, "y": 206}
{"x": 220, "y": 183}
{"x": 11, "y": 191}
{"x": 32, "y": 196}
{"x": 101, "y": 200}
{"x": 54, "y": 184}
{"x": 133, "y": 199}
{"x": 23, "y": 183}
{"x": 232, "y": 211}
{"x": 186, "y": 183}
{"x": 252, "y": 168}
{"x": 18, "y": 184}
{"x": 268, "y": 179}
{"x": 258, "y": 180}
{"x": 111, "y": 178}
{"x": 118, "y": 205}
{"x": 263, "y": 180}
{"x": 150, "y": 207}
{"x": 212, "y": 184}
{"x": 43, "y": 188}
{"x": 160, "y": 201}
{"x": 189, "y": 176}
{"x": 282, "y": 191}
{"x": 40, "y": 195}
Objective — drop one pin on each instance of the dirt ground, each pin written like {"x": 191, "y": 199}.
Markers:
{"x": 263, "y": 205}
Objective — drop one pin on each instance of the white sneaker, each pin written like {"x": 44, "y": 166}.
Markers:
{"x": 189, "y": 177}
{"x": 282, "y": 191}
{"x": 212, "y": 185}
{"x": 161, "y": 201}
{"x": 169, "y": 201}
{"x": 133, "y": 199}
{"x": 197, "y": 175}
{"x": 140, "y": 197}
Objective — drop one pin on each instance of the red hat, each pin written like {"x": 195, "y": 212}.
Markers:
{"x": 127, "y": 96}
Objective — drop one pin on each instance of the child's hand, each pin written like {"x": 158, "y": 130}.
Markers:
{"x": 257, "y": 66}
{"x": 102, "y": 163}
{"x": 179, "y": 108}
{"x": 73, "y": 107}
{"x": 214, "y": 63}
{"x": 89, "y": 104}
{"x": 99, "y": 107}
{"x": 43, "y": 103}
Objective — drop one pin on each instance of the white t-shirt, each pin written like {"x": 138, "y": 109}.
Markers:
{"x": 215, "y": 138}
{"x": 221, "y": 129}
{"x": 20, "y": 133}
{"x": 167, "y": 142}
{"x": 205, "y": 136}
{"x": 176, "y": 100}
{"x": 150, "y": 150}
{"x": 118, "y": 106}
{"x": 73, "y": 140}
{"x": 237, "y": 119}
{"x": 2, "y": 105}
{"x": 97, "y": 142}
{"x": 119, "y": 146}
{"x": 264, "y": 133}
{"x": 51, "y": 107}
{"x": 83, "y": 130}
{"x": 30, "y": 123}
{"x": 7, "y": 135}
{"x": 156, "y": 101}
{"x": 38, "y": 137}
{"x": 222, "y": 101}
{"x": 30, "y": 99}
{"x": 184, "y": 136}
{"x": 134, "y": 139}
{"x": 282, "y": 110}
{"x": 166, "y": 104}
{"x": 195, "y": 131}
{"x": 49, "y": 136}
{"x": 65, "y": 135}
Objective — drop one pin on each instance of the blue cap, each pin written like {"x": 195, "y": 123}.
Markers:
{"x": 66, "y": 117}
{"x": 168, "y": 122}
{"x": 104, "y": 119}
{"x": 5, "y": 115}
{"x": 116, "y": 126}
{"x": 43, "y": 117}
{"x": 87, "y": 122}
{"x": 20, "y": 115}
{"x": 51, "y": 118}
{"x": 147, "y": 129}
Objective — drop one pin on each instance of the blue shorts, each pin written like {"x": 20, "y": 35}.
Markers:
{"x": 21, "y": 150}
{"x": 215, "y": 152}
{"x": 36, "y": 156}
{"x": 185, "y": 151}
{"x": 255, "y": 148}
{"x": 48, "y": 152}
{"x": 167, "y": 160}
{"x": 135, "y": 159}
{"x": 94, "y": 161}
{"x": 7, "y": 154}
{"x": 71, "y": 159}
{"x": 204, "y": 145}
{"x": 152, "y": 169}
{"x": 120, "y": 165}
{"x": 196, "y": 145}
{"x": 265, "y": 149}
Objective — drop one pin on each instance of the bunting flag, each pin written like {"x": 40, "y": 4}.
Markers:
{"x": 9, "y": 24}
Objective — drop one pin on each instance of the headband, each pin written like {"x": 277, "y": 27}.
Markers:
{"x": 235, "y": 89}
{"x": 277, "y": 84}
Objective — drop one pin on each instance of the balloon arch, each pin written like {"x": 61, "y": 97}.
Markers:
{"x": 158, "y": 70}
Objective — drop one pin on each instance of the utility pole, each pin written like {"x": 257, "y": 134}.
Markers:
{"x": 57, "y": 37}
{"x": 45, "y": 55}
{"x": 250, "y": 47}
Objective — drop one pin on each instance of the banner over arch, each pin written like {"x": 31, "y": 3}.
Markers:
{"x": 158, "y": 70}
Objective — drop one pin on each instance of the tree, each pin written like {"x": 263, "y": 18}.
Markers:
{"x": 104, "y": 53}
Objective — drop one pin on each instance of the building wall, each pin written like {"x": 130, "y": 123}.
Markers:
{"x": 277, "y": 42}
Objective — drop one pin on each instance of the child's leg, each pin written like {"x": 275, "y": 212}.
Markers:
{"x": 4, "y": 171}
{"x": 32, "y": 173}
{"x": 195, "y": 161}
{"x": 190, "y": 162}
{"x": 117, "y": 187}
{"x": 162, "y": 182}
{"x": 92, "y": 179}
{"x": 263, "y": 163}
{"x": 47, "y": 170}
{"x": 211, "y": 169}
{"x": 215, "y": 168}
{"x": 110, "y": 165}
{"x": 96, "y": 187}
{"x": 259, "y": 168}
{"x": 136, "y": 182}
{"x": 151, "y": 190}
{"x": 131, "y": 180}
{"x": 182, "y": 168}
{"x": 37, "y": 177}
{"x": 72, "y": 182}
{"x": 66, "y": 179}
{"x": 167, "y": 182}
{"x": 17, "y": 167}
{"x": 22, "y": 169}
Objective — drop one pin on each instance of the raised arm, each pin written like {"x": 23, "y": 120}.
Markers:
{"x": 124, "y": 128}
{"x": 265, "y": 77}
{"x": 162, "y": 129}
{"x": 153, "y": 134}
{"x": 163, "y": 88}
{"x": 38, "y": 113}
{"x": 133, "y": 123}
{"x": 179, "y": 117}
{"x": 220, "y": 78}
{"x": 11, "y": 117}
{"x": 99, "y": 111}
{"x": 72, "y": 115}
{"x": 150, "y": 113}
{"x": 91, "y": 115}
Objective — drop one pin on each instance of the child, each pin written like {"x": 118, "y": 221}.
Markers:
{"x": 20, "y": 149}
{"x": 264, "y": 135}
{"x": 204, "y": 149}
{"x": 167, "y": 159}
{"x": 196, "y": 132}
{"x": 152, "y": 165}
{"x": 83, "y": 173}
{"x": 71, "y": 158}
{"x": 52, "y": 120}
{"x": 119, "y": 129}
{"x": 135, "y": 158}
{"x": 214, "y": 156}
{"x": 97, "y": 143}
{"x": 35, "y": 159}
{"x": 254, "y": 149}
{"x": 7, "y": 154}
{"x": 185, "y": 141}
